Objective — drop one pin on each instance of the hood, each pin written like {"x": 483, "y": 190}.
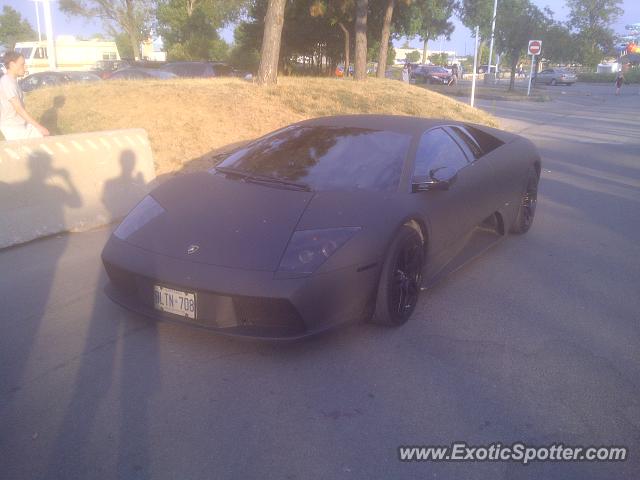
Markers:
{"x": 233, "y": 223}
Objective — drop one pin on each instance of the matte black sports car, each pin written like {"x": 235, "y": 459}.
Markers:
{"x": 322, "y": 222}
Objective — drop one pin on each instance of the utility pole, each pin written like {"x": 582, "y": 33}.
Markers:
{"x": 48, "y": 24}
{"x": 493, "y": 28}
{"x": 35, "y": 3}
{"x": 475, "y": 68}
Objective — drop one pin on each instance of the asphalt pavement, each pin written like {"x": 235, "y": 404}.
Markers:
{"x": 537, "y": 341}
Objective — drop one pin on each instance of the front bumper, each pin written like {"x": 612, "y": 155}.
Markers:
{"x": 239, "y": 302}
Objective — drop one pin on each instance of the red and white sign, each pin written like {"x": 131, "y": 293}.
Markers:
{"x": 534, "y": 47}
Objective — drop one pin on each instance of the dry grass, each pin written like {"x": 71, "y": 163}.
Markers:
{"x": 188, "y": 119}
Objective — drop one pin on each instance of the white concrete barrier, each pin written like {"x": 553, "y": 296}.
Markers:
{"x": 71, "y": 182}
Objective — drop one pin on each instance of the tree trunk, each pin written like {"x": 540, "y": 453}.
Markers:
{"x": 360, "y": 73}
{"x": 347, "y": 45}
{"x": 384, "y": 38}
{"x": 135, "y": 45}
{"x": 424, "y": 48}
{"x": 270, "y": 52}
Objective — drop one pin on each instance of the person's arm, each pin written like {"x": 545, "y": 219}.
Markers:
{"x": 27, "y": 118}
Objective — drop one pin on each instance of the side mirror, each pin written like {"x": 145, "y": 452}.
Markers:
{"x": 440, "y": 178}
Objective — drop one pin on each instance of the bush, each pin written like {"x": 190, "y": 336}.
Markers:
{"x": 632, "y": 76}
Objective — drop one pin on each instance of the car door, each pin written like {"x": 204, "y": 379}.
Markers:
{"x": 450, "y": 213}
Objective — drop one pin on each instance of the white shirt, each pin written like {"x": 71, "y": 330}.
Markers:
{"x": 9, "y": 89}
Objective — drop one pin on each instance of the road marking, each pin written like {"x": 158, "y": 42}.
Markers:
{"x": 92, "y": 145}
{"x": 44, "y": 147}
{"x": 131, "y": 142}
{"x": 27, "y": 149}
{"x": 117, "y": 142}
{"x": 142, "y": 140}
{"x": 62, "y": 147}
{"x": 105, "y": 143}
{"x": 77, "y": 145}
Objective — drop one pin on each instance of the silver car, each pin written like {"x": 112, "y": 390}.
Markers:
{"x": 554, "y": 76}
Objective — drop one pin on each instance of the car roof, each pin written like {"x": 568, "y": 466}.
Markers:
{"x": 414, "y": 126}
{"x": 394, "y": 123}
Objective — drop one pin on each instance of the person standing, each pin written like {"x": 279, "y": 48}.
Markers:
{"x": 15, "y": 121}
{"x": 405, "y": 72}
{"x": 619, "y": 82}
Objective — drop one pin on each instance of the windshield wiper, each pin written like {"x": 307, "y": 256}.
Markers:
{"x": 233, "y": 171}
{"x": 278, "y": 181}
{"x": 263, "y": 179}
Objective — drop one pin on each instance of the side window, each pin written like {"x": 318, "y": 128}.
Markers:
{"x": 471, "y": 147}
{"x": 437, "y": 149}
{"x": 40, "y": 52}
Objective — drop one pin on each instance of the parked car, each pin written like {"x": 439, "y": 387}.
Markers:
{"x": 430, "y": 74}
{"x": 82, "y": 77}
{"x": 42, "y": 79}
{"x": 554, "y": 76}
{"x": 134, "y": 73}
{"x": 330, "y": 220}
{"x": 104, "y": 68}
{"x": 199, "y": 69}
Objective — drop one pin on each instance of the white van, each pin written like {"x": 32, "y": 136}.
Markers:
{"x": 71, "y": 54}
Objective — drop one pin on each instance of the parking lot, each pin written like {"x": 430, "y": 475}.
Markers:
{"x": 537, "y": 341}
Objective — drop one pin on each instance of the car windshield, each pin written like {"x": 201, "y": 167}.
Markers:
{"x": 24, "y": 51}
{"x": 326, "y": 158}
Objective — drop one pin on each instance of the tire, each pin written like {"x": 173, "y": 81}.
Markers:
{"x": 553, "y": 82}
{"x": 528, "y": 203}
{"x": 401, "y": 279}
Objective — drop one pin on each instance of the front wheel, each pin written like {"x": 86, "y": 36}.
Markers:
{"x": 401, "y": 279}
{"x": 528, "y": 202}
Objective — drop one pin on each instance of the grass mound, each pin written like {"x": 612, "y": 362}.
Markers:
{"x": 188, "y": 119}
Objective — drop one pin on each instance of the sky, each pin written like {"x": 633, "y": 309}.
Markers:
{"x": 461, "y": 40}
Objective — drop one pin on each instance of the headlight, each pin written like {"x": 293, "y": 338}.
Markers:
{"x": 308, "y": 249}
{"x": 143, "y": 213}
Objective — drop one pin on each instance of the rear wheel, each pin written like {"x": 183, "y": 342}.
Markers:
{"x": 401, "y": 279}
{"x": 528, "y": 203}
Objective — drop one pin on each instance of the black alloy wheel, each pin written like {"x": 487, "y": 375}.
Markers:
{"x": 401, "y": 279}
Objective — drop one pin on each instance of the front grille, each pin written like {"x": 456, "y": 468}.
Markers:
{"x": 214, "y": 309}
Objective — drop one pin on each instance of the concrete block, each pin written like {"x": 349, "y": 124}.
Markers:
{"x": 71, "y": 182}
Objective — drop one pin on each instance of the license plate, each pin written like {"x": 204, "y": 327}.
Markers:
{"x": 174, "y": 301}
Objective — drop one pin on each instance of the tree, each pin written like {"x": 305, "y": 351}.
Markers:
{"x": 340, "y": 13}
{"x": 413, "y": 57}
{"x": 591, "y": 20}
{"x": 384, "y": 38}
{"x": 189, "y": 28}
{"x": 13, "y": 28}
{"x": 270, "y": 52}
{"x": 360, "y": 66}
{"x": 130, "y": 16}
{"x": 558, "y": 45}
{"x": 439, "y": 58}
{"x": 518, "y": 22}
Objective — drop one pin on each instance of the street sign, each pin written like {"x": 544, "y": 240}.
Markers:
{"x": 534, "y": 47}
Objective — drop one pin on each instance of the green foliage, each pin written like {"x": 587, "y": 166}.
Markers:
{"x": 519, "y": 21}
{"x": 189, "y": 29}
{"x": 414, "y": 56}
{"x": 474, "y": 13}
{"x": 558, "y": 44}
{"x": 591, "y": 20}
{"x": 132, "y": 17}
{"x": 439, "y": 58}
{"x": 631, "y": 77}
{"x": 13, "y": 28}
{"x": 123, "y": 42}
